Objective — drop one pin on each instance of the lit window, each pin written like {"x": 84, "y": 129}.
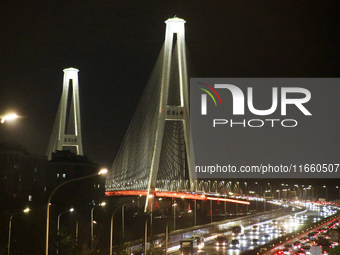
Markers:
{"x": 35, "y": 170}
{"x": 64, "y": 175}
{"x": 29, "y": 197}
{"x": 98, "y": 186}
{"x": 57, "y": 175}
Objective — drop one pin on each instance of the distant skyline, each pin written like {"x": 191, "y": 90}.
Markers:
{"x": 115, "y": 44}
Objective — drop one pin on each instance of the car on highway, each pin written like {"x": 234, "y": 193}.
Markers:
{"x": 237, "y": 230}
{"x": 242, "y": 236}
{"x": 221, "y": 240}
{"x": 321, "y": 236}
{"x": 309, "y": 243}
{"x": 279, "y": 253}
{"x": 289, "y": 246}
{"x": 282, "y": 222}
{"x": 296, "y": 245}
{"x": 304, "y": 239}
{"x": 235, "y": 243}
{"x": 306, "y": 248}
{"x": 286, "y": 251}
{"x": 311, "y": 235}
{"x": 299, "y": 252}
{"x": 324, "y": 230}
{"x": 199, "y": 241}
{"x": 282, "y": 231}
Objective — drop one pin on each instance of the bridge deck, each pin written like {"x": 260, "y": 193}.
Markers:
{"x": 184, "y": 195}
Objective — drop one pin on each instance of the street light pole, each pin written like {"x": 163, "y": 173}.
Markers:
{"x": 225, "y": 210}
{"x": 167, "y": 237}
{"x": 211, "y": 219}
{"x": 77, "y": 227}
{"x": 103, "y": 171}
{"x": 174, "y": 206}
{"x": 326, "y": 191}
{"x": 9, "y": 234}
{"x": 195, "y": 207}
{"x": 246, "y": 191}
{"x": 10, "y": 229}
{"x": 92, "y": 238}
{"x": 58, "y": 224}
{"x": 123, "y": 219}
{"x": 146, "y": 234}
{"x": 112, "y": 217}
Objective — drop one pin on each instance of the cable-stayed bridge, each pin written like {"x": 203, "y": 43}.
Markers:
{"x": 155, "y": 158}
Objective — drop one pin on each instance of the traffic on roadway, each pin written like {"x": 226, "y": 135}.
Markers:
{"x": 246, "y": 237}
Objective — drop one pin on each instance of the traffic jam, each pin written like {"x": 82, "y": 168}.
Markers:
{"x": 314, "y": 230}
{"x": 317, "y": 241}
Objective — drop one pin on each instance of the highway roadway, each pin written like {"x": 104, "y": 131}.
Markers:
{"x": 257, "y": 232}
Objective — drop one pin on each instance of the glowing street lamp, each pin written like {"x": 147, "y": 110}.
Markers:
{"x": 10, "y": 229}
{"x": 8, "y": 117}
{"x": 102, "y": 171}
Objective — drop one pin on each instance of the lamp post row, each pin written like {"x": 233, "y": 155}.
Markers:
{"x": 102, "y": 171}
{"x": 103, "y": 204}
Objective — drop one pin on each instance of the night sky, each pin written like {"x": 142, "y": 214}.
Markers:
{"x": 114, "y": 44}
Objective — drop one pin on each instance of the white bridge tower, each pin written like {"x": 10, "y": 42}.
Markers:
{"x": 67, "y": 115}
{"x": 154, "y": 155}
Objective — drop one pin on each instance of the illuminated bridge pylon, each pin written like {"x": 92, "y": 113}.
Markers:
{"x": 155, "y": 151}
{"x": 67, "y": 129}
